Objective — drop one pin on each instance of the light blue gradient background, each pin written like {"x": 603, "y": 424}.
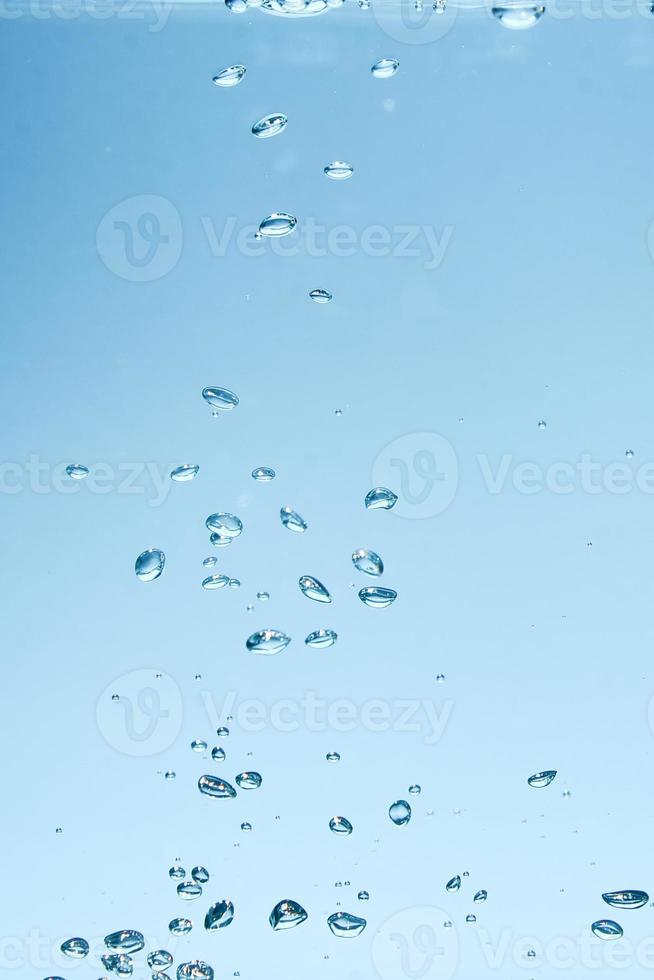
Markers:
{"x": 536, "y": 147}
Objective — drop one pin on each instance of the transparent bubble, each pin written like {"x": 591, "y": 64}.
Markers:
{"x": 376, "y": 597}
{"x": 385, "y": 68}
{"x": 345, "y": 925}
{"x": 541, "y": 779}
{"x": 607, "y": 929}
{"x": 292, "y": 520}
{"x": 321, "y": 639}
{"x": 185, "y": 473}
{"x": 77, "y": 471}
{"x": 380, "y": 498}
{"x": 313, "y": 589}
{"x": 75, "y": 948}
{"x": 286, "y": 915}
{"x": 149, "y": 565}
{"x": 220, "y": 399}
{"x": 340, "y": 826}
{"x": 263, "y": 474}
{"x": 367, "y": 561}
{"x": 229, "y": 77}
{"x": 270, "y": 125}
{"x": 268, "y": 642}
{"x": 626, "y": 899}
{"x": 219, "y": 915}
{"x": 180, "y": 927}
{"x": 277, "y": 225}
{"x": 218, "y": 788}
{"x": 249, "y": 780}
{"x": 338, "y": 170}
{"x": 400, "y": 812}
{"x": 518, "y": 16}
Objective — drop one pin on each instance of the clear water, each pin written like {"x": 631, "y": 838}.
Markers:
{"x": 465, "y": 324}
